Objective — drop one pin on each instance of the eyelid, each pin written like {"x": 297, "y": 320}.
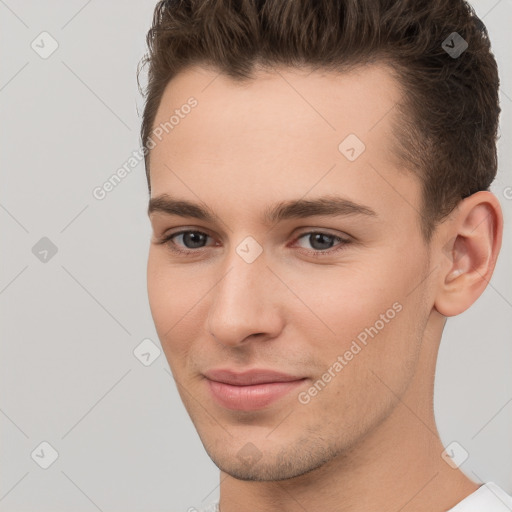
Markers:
{"x": 323, "y": 231}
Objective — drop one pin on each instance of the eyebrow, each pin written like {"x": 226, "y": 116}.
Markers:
{"x": 332, "y": 206}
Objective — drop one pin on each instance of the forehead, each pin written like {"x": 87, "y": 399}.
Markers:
{"x": 296, "y": 104}
{"x": 280, "y": 133}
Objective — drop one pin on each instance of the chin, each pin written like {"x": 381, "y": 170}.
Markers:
{"x": 252, "y": 465}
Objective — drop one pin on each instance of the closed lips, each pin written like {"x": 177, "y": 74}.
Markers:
{"x": 250, "y": 377}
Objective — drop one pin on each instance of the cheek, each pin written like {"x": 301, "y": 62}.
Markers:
{"x": 377, "y": 333}
{"x": 174, "y": 299}
{"x": 344, "y": 300}
{"x": 368, "y": 301}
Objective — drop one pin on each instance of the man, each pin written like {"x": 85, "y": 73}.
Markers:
{"x": 319, "y": 175}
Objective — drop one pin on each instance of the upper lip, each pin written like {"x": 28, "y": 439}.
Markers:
{"x": 249, "y": 377}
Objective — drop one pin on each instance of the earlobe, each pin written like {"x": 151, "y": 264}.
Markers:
{"x": 471, "y": 245}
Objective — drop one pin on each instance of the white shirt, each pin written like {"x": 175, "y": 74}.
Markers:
{"x": 487, "y": 498}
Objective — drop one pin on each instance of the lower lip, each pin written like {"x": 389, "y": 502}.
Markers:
{"x": 250, "y": 398}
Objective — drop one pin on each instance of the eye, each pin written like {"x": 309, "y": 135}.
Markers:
{"x": 192, "y": 240}
{"x": 322, "y": 243}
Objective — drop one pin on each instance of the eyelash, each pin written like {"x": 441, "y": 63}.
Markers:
{"x": 314, "y": 253}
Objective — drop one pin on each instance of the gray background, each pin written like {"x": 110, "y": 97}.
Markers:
{"x": 69, "y": 325}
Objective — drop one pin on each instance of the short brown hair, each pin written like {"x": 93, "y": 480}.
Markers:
{"x": 448, "y": 125}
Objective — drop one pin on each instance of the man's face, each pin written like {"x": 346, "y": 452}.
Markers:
{"x": 356, "y": 294}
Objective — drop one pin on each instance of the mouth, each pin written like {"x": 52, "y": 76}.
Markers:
{"x": 250, "y": 390}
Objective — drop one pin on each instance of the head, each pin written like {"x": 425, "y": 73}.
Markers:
{"x": 329, "y": 163}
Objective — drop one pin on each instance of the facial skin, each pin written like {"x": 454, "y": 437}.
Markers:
{"x": 368, "y": 438}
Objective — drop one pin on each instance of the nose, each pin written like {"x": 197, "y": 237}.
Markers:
{"x": 245, "y": 303}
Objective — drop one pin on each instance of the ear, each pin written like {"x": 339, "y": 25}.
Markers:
{"x": 469, "y": 247}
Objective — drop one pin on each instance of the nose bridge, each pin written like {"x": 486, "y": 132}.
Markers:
{"x": 242, "y": 300}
